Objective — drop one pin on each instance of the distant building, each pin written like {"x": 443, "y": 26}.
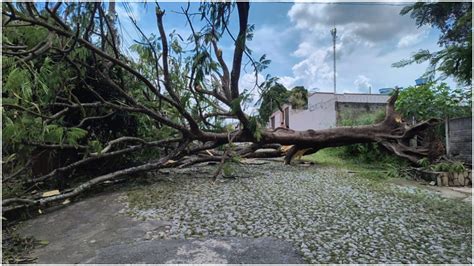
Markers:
{"x": 325, "y": 110}
{"x": 421, "y": 81}
{"x": 385, "y": 90}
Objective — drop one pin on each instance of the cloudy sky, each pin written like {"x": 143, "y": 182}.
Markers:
{"x": 297, "y": 38}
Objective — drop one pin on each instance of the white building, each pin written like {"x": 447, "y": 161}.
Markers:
{"x": 324, "y": 110}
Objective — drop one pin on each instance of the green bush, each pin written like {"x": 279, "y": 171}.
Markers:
{"x": 451, "y": 167}
{"x": 366, "y": 152}
{"x": 433, "y": 100}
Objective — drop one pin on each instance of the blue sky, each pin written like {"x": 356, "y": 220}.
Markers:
{"x": 296, "y": 37}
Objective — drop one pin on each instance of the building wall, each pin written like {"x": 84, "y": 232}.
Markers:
{"x": 353, "y": 111}
{"x": 321, "y": 112}
{"x": 459, "y": 139}
{"x": 279, "y": 117}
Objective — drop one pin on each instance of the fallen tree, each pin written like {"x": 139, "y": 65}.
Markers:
{"x": 182, "y": 102}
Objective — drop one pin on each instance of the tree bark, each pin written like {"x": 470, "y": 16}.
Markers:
{"x": 392, "y": 133}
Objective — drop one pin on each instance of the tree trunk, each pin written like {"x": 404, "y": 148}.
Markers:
{"x": 392, "y": 133}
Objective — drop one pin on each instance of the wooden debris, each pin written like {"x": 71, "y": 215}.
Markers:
{"x": 51, "y": 193}
{"x": 210, "y": 153}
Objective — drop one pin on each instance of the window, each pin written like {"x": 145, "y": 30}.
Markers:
{"x": 272, "y": 122}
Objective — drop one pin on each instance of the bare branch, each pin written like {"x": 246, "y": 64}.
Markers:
{"x": 103, "y": 156}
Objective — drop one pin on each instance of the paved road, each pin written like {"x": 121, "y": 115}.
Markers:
{"x": 327, "y": 215}
{"x": 97, "y": 231}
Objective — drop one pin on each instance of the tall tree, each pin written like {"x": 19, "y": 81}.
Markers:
{"x": 177, "y": 96}
{"x": 274, "y": 95}
{"x": 272, "y": 99}
{"x": 434, "y": 100}
{"x": 454, "y": 20}
{"x": 299, "y": 97}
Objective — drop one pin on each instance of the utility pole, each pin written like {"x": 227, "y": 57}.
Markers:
{"x": 333, "y": 33}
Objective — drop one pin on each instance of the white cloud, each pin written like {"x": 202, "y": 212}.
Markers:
{"x": 412, "y": 39}
{"x": 304, "y": 49}
{"x": 313, "y": 70}
{"x": 364, "y": 23}
{"x": 247, "y": 82}
{"x": 367, "y": 39}
{"x": 362, "y": 83}
{"x": 288, "y": 82}
{"x": 124, "y": 10}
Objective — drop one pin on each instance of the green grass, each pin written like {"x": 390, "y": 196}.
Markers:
{"x": 336, "y": 157}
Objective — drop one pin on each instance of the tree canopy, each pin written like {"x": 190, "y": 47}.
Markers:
{"x": 272, "y": 99}
{"x": 434, "y": 100}
{"x": 454, "y": 20}
{"x": 275, "y": 95}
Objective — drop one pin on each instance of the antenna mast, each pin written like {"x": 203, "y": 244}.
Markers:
{"x": 333, "y": 33}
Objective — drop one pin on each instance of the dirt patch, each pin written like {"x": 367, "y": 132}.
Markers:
{"x": 459, "y": 193}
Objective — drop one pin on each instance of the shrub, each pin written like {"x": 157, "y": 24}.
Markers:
{"x": 451, "y": 167}
{"x": 365, "y": 151}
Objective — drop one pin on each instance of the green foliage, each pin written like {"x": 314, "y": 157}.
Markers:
{"x": 32, "y": 89}
{"x": 298, "y": 98}
{"x": 450, "y": 167}
{"x": 54, "y": 134}
{"x": 367, "y": 152}
{"x": 454, "y": 20}
{"x": 393, "y": 171}
{"x": 17, "y": 249}
{"x": 218, "y": 13}
{"x": 275, "y": 95}
{"x": 74, "y": 134}
{"x": 235, "y": 104}
{"x": 236, "y": 158}
{"x": 255, "y": 128}
{"x": 398, "y": 170}
{"x": 95, "y": 146}
{"x": 227, "y": 169}
{"x": 424, "y": 162}
{"x": 433, "y": 101}
{"x": 382, "y": 168}
{"x": 262, "y": 63}
{"x": 354, "y": 119}
{"x": 19, "y": 84}
{"x": 20, "y": 129}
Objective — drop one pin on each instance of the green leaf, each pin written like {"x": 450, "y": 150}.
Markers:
{"x": 95, "y": 146}
{"x": 235, "y": 104}
{"x": 74, "y": 134}
{"x": 54, "y": 134}
{"x": 9, "y": 131}
{"x": 18, "y": 81}
{"x": 43, "y": 242}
